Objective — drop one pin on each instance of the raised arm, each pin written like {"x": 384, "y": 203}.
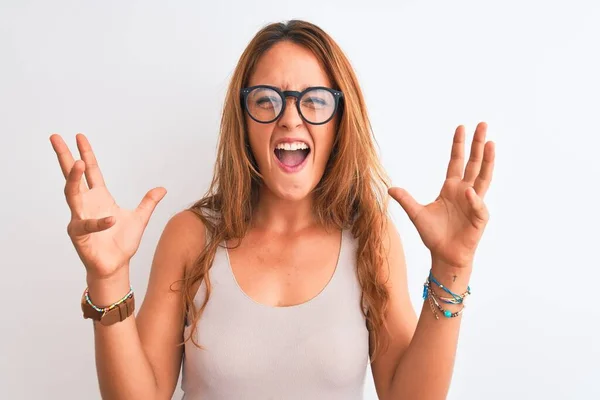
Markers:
{"x": 420, "y": 366}
{"x": 136, "y": 358}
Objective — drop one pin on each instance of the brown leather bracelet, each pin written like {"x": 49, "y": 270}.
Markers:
{"x": 109, "y": 317}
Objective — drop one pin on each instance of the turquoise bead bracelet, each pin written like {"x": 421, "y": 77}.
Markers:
{"x": 446, "y": 313}
{"x": 429, "y": 294}
{"x": 108, "y": 308}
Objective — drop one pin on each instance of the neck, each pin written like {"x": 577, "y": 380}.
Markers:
{"x": 284, "y": 216}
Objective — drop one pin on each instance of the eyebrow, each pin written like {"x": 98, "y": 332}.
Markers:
{"x": 301, "y": 87}
{"x": 287, "y": 87}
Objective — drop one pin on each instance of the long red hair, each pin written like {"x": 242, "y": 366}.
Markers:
{"x": 351, "y": 194}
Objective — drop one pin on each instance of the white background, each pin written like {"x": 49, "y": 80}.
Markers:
{"x": 145, "y": 81}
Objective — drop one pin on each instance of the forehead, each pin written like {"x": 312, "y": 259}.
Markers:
{"x": 290, "y": 67}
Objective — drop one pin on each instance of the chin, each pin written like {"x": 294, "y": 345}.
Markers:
{"x": 290, "y": 191}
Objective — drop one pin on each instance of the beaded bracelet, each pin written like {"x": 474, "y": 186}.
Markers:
{"x": 449, "y": 300}
{"x": 429, "y": 294}
{"x": 108, "y": 308}
{"x": 432, "y": 307}
{"x": 454, "y": 295}
{"x": 459, "y": 299}
{"x": 445, "y": 313}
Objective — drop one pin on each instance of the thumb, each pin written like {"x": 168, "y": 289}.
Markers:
{"x": 149, "y": 202}
{"x": 479, "y": 209}
{"x": 84, "y": 227}
{"x": 406, "y": 201}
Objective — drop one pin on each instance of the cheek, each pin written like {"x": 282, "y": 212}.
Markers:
{"x": 258, "y": 137}
{"x": 324, "y": 137}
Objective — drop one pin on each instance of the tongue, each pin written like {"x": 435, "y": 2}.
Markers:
{"x": 291, "y": 158}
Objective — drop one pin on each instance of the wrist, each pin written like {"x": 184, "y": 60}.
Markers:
{"x": 452, "y": 277}
{"x": 106, "y": 291}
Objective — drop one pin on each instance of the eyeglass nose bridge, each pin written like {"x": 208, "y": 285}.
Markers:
{"x": 291, "y": 93}
{"x": 294, "y": 94}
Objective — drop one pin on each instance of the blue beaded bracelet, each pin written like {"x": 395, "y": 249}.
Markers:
{"x": 457, "y": 297}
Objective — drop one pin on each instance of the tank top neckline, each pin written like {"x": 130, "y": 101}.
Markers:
{"x": 322, "y": 293}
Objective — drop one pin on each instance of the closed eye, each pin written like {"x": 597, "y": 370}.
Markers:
{"x": 267, "y": 101}
{"x": 314, "y": 102}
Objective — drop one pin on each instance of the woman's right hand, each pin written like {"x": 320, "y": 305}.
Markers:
{"x": 105, "y": 236}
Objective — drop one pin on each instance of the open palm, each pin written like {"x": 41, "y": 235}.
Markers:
{"x": 105, "y": 236}
{"x": 452, "y": 225}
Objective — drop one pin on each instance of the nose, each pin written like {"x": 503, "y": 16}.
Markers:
{"x": 290, "y": 118}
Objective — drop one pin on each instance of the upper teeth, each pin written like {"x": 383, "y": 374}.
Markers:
{"x": 292, "y": 146}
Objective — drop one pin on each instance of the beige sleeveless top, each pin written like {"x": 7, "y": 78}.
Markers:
{"x": 314, "y": 350}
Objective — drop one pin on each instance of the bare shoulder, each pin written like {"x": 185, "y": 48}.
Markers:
{"x": 180, "y": 243}
{"x": 183, "y": 237}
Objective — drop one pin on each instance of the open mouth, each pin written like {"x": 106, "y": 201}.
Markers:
{"x": 292, "y": 154}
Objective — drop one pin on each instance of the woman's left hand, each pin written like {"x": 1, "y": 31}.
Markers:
{"x": 453, "y": 224}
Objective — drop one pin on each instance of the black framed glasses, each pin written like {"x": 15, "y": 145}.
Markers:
{"x": 316, "y": 105}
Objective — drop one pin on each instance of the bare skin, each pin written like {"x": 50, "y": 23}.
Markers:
{"x": 139, "y": 357}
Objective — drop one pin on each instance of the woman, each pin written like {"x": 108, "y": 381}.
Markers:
{"x": 288, "y": 275}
